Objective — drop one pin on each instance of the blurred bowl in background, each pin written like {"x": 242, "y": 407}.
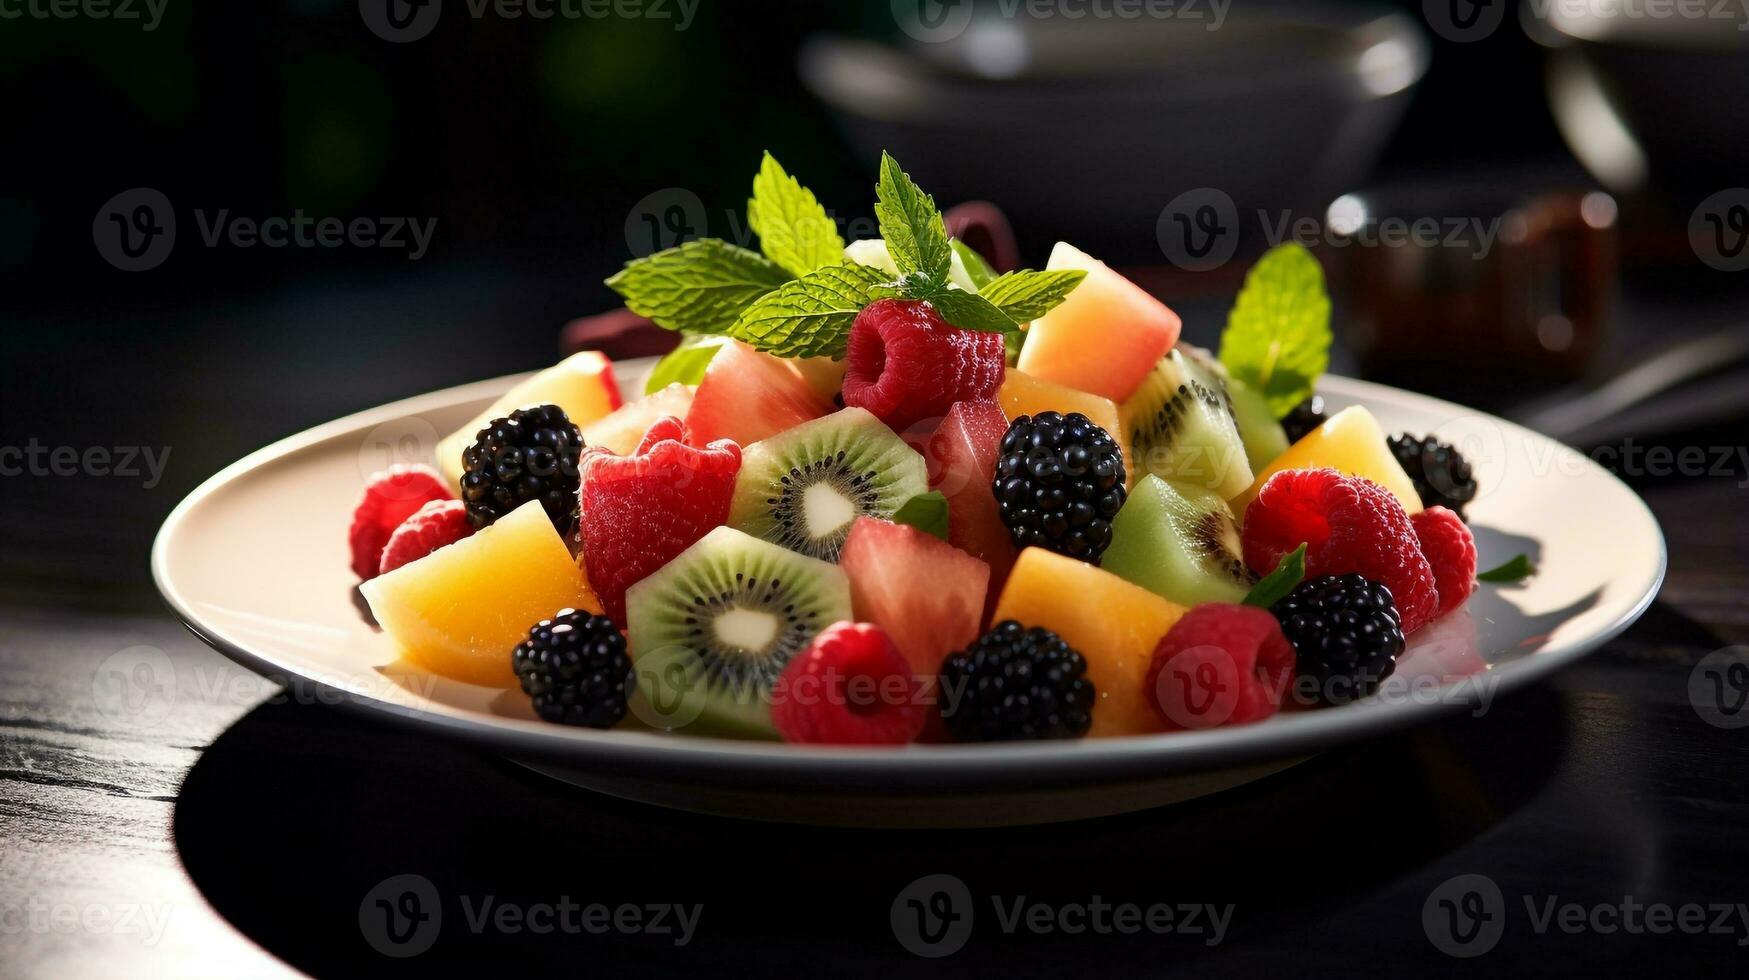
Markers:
{"x": 1650, "y": 100}
{"x": 1087, "y": 128}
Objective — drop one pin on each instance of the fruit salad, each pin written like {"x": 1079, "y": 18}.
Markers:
{"x": 881, "y": 493}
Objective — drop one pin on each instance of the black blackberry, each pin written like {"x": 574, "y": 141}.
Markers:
{"x": 1345, "y": 633}
{"x": 530, "y": 455}
{"x": 575, "y": 668}
{"x": 1059, "y": 482}
{"x": 1305, "y": 417}
{"x": 1015, "y": 684}
{"x": 1441, "y": 474}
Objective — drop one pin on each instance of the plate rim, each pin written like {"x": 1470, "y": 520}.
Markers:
{"x": 957, "y": 767}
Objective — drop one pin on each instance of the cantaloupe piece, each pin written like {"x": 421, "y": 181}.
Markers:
{"x": 582, "y": 384}
{"x": 460, "y": 610}
{"x": 1105, "y": 337}
{"x": 1022, "y": 394}
{"x": 1114, "y": 624}
{"x": 1350, "y": 442}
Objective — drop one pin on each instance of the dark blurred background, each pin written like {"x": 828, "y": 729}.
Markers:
{"x": 536, "y": 152}
{"x": 1581, "y": 267}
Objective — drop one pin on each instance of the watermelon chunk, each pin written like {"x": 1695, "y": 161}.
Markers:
{"x": 746, "y": 396}
{"x": 962, "y": 465}
{"x": 1105, "y": 337}
{"x": 927, "y": 594}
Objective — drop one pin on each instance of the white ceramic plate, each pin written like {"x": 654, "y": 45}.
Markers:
{"x": 255, "y": 562}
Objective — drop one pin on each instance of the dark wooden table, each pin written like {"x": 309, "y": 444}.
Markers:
{"x": 215, "y": 826}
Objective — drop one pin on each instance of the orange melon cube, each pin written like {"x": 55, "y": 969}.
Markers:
{"x": 1023, "y": 394}
{"x": 1105, "y": 337}
{"x": 460, "y": 610}
{"x": 1114, "y": 624}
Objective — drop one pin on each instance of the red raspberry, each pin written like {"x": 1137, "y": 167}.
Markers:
{"x": 390, "y": 497}
{"x": 640, "y": 511}
{"x": 432, "y": 526}
{"x": 907, "y": 364}
{"x": 1348, "y": 525}
{"x": 851, "y": 686}
{"x": 1451, "y": 550}
{"x": 1220, "y": 664}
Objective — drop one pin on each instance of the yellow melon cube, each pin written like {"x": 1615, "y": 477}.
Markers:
{"x": 460, "y": 610}
{"x": 582, "y": 384}
{"x": 1350, "y": 442}
{"x": 1114, "y": 624}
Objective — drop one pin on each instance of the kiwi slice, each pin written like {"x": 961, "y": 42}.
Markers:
{"x": 803, "y": 487}
{"x": 1259, "y": 430}
{"x": 1178, "y": 542}
{"x": 1180, "y": 428}
{"x": 711, "y": 631}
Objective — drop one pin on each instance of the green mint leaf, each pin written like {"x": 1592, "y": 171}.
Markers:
{"x": 811, "y": 316}
{"x": 699, "y": 286}
{"x": 794, "y": 230}
{"x": 1275, "y": 586}
{"x": 1516, "y": 570}
{"x": 1277, "y": 338}
{"x": 1027, "y": 295}
{"x": 925, "y": 512}
{"x": 911, "y": 224}
{"x": 977, "y": 270}
{"x": 967, "y": 311}
{"x": 685, "y": 364}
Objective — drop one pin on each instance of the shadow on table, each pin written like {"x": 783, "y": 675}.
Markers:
{"x": 295, "y": 817}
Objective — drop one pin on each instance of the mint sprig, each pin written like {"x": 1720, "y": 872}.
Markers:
{"x": 1516, "y": 570}
{"x": 1277, "y": 338}
{"x": 794, "y": 230}
{"x": 967, "y": 311}
{"x": 1275, "y": 586}
{"x": 685, "y": 364}
{"x": 699, "y": 286}
{"x": 1027, "y": 295}
{"x": 911, "y": 224}
{"x": 811, "y": 316}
